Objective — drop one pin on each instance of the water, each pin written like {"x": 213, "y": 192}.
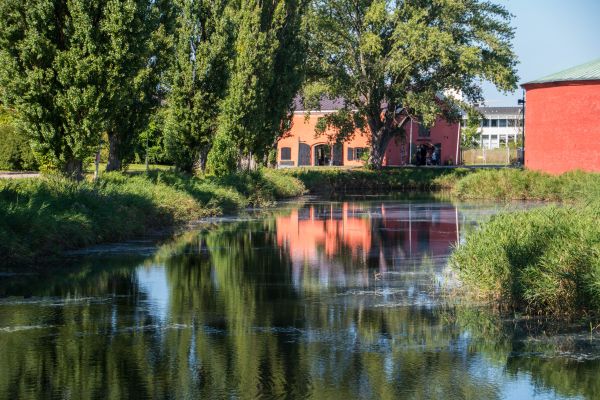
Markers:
{"x": 320, "y": 300}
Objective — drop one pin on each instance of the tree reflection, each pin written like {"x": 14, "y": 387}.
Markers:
{"x": 297, "y": 305}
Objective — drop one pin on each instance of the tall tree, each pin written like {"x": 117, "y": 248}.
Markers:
{"x": 51, "y": 74}
{"x": 393, "y": 60}
{"x": 136, "y": 54}
{"x": 198, "y": 79}
{"x": 266, "y": 75}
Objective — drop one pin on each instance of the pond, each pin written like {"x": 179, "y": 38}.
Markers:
{"x": 349, "y": 299}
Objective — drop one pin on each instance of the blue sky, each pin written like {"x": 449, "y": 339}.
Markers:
{"x": 551, "y": 35}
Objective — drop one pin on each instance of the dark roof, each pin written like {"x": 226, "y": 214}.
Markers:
{"x": 326, "y": 104}
{"x": 499, "y": 110}
{"x": 585, "y": 72}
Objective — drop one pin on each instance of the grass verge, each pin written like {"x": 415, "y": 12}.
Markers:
{"x": 43, "y": 217}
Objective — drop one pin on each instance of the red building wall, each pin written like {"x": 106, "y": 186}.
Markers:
{"x": 397, "y": 153}
{"x": 562, "y": 127}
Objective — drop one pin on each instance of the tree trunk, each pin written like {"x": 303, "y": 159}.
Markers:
{"x": 74, "y": 169}
{"x": 202, "y": 158}
{"x": 379, "y": 143}
{"x": 114, "y": 160}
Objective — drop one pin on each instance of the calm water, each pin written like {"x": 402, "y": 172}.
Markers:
{"x": 321, "y": 300}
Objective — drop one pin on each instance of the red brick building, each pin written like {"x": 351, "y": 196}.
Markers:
{"x": 562, "y": 121}
{"x": 302, "y": 147}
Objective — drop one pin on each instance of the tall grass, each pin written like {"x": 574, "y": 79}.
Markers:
{"x": 328, "y": 180}
{"x": 42, "y": 217}
{"x": 515, "y": 184}
{"x": 541, "y": 261}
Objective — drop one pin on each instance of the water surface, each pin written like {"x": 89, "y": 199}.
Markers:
{"x": 317, "y": 299}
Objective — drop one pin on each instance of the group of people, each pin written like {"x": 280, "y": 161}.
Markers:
{"x": 427, "y": 155}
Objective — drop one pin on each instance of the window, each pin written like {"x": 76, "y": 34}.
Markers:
{"x": 494, "y": 123}
{"x": 361, "y": 152}
{"x": 424, "y": 132}
{"x": 512, "y": 123}
{"x": 494, "y": 137}
{"x": 502, "y": 123}
{"x": 350, "y": 153}
{"x": 286, "y": 153}
{"x": 485, "y": 123}
{"x": 485, "y": 137}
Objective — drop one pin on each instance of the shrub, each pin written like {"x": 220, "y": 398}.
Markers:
{"x": 15, "y": 152}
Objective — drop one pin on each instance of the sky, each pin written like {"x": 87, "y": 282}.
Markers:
{"x": 551, "y": 35}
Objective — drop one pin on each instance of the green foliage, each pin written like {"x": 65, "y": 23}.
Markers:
{"x": 15, "y": 151}
{"x": 403, "y": 55}
{"x": 40, "y": 217}
{"x": 51, "y": 70}
{"x": 470, "y": 137}
{"x": 197, "y": 79}
{"x": 136, "y": 35}
{"x": 266, "y": 74}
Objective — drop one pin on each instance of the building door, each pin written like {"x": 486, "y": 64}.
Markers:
{"x": 322, "y": 155}
{"x": 303, "y": 154}
{"x": 338, "y": 154}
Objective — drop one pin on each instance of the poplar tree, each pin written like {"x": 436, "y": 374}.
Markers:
{"x": 51, "y": 74}
{"x": 397, "y": 60}
{"x": 266, "y": 74}
{"x": 198, "y": 79}
{"x": 136, "y": 44}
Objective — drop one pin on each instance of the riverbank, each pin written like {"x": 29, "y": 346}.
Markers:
{"x": 43, "y": 217}
{"x": 336, "y": 180}
{"x": 542, "y": 261}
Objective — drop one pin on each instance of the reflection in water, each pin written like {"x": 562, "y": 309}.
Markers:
{"x": 323, "y": 300}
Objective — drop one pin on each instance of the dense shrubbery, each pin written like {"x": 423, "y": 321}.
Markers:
{"x": 40, "y": 217}
{"x": 15, "y": 152}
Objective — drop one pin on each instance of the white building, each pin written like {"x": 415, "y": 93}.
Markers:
{"x": 499, "y": 126}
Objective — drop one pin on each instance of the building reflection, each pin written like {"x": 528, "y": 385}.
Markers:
{"x": 333, "y": 239}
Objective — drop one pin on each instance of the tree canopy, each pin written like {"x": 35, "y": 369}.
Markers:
{"x": 393, "y": 60}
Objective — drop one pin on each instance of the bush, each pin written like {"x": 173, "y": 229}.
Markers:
{"x": 15, "y": 152}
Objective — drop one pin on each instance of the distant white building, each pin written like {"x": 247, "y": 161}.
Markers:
{"x": 499, "y": 126}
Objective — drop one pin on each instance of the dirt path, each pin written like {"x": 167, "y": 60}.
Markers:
{"x": 18, "y": 175}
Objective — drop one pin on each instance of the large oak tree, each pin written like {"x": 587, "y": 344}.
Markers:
{"x": 396, "y": 60}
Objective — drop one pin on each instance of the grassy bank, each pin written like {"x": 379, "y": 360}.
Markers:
{"x": 43, "y": 217}
{"x": 542, "y": 261}
{"x": 335, "y": 180}
{"x": 515, "y": 184}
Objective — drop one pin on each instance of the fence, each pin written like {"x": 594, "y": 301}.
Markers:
{"x": 501, "y": 156}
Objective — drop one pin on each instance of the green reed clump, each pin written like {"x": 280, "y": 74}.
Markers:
{"x": 41, "y": 217}
{"x": 545, "y": 260}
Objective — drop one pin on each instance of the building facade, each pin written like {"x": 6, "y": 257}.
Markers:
{"x": 303, "y": 147}
{"x": 499, "y": 126}
{"x": 562, "y": 121}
